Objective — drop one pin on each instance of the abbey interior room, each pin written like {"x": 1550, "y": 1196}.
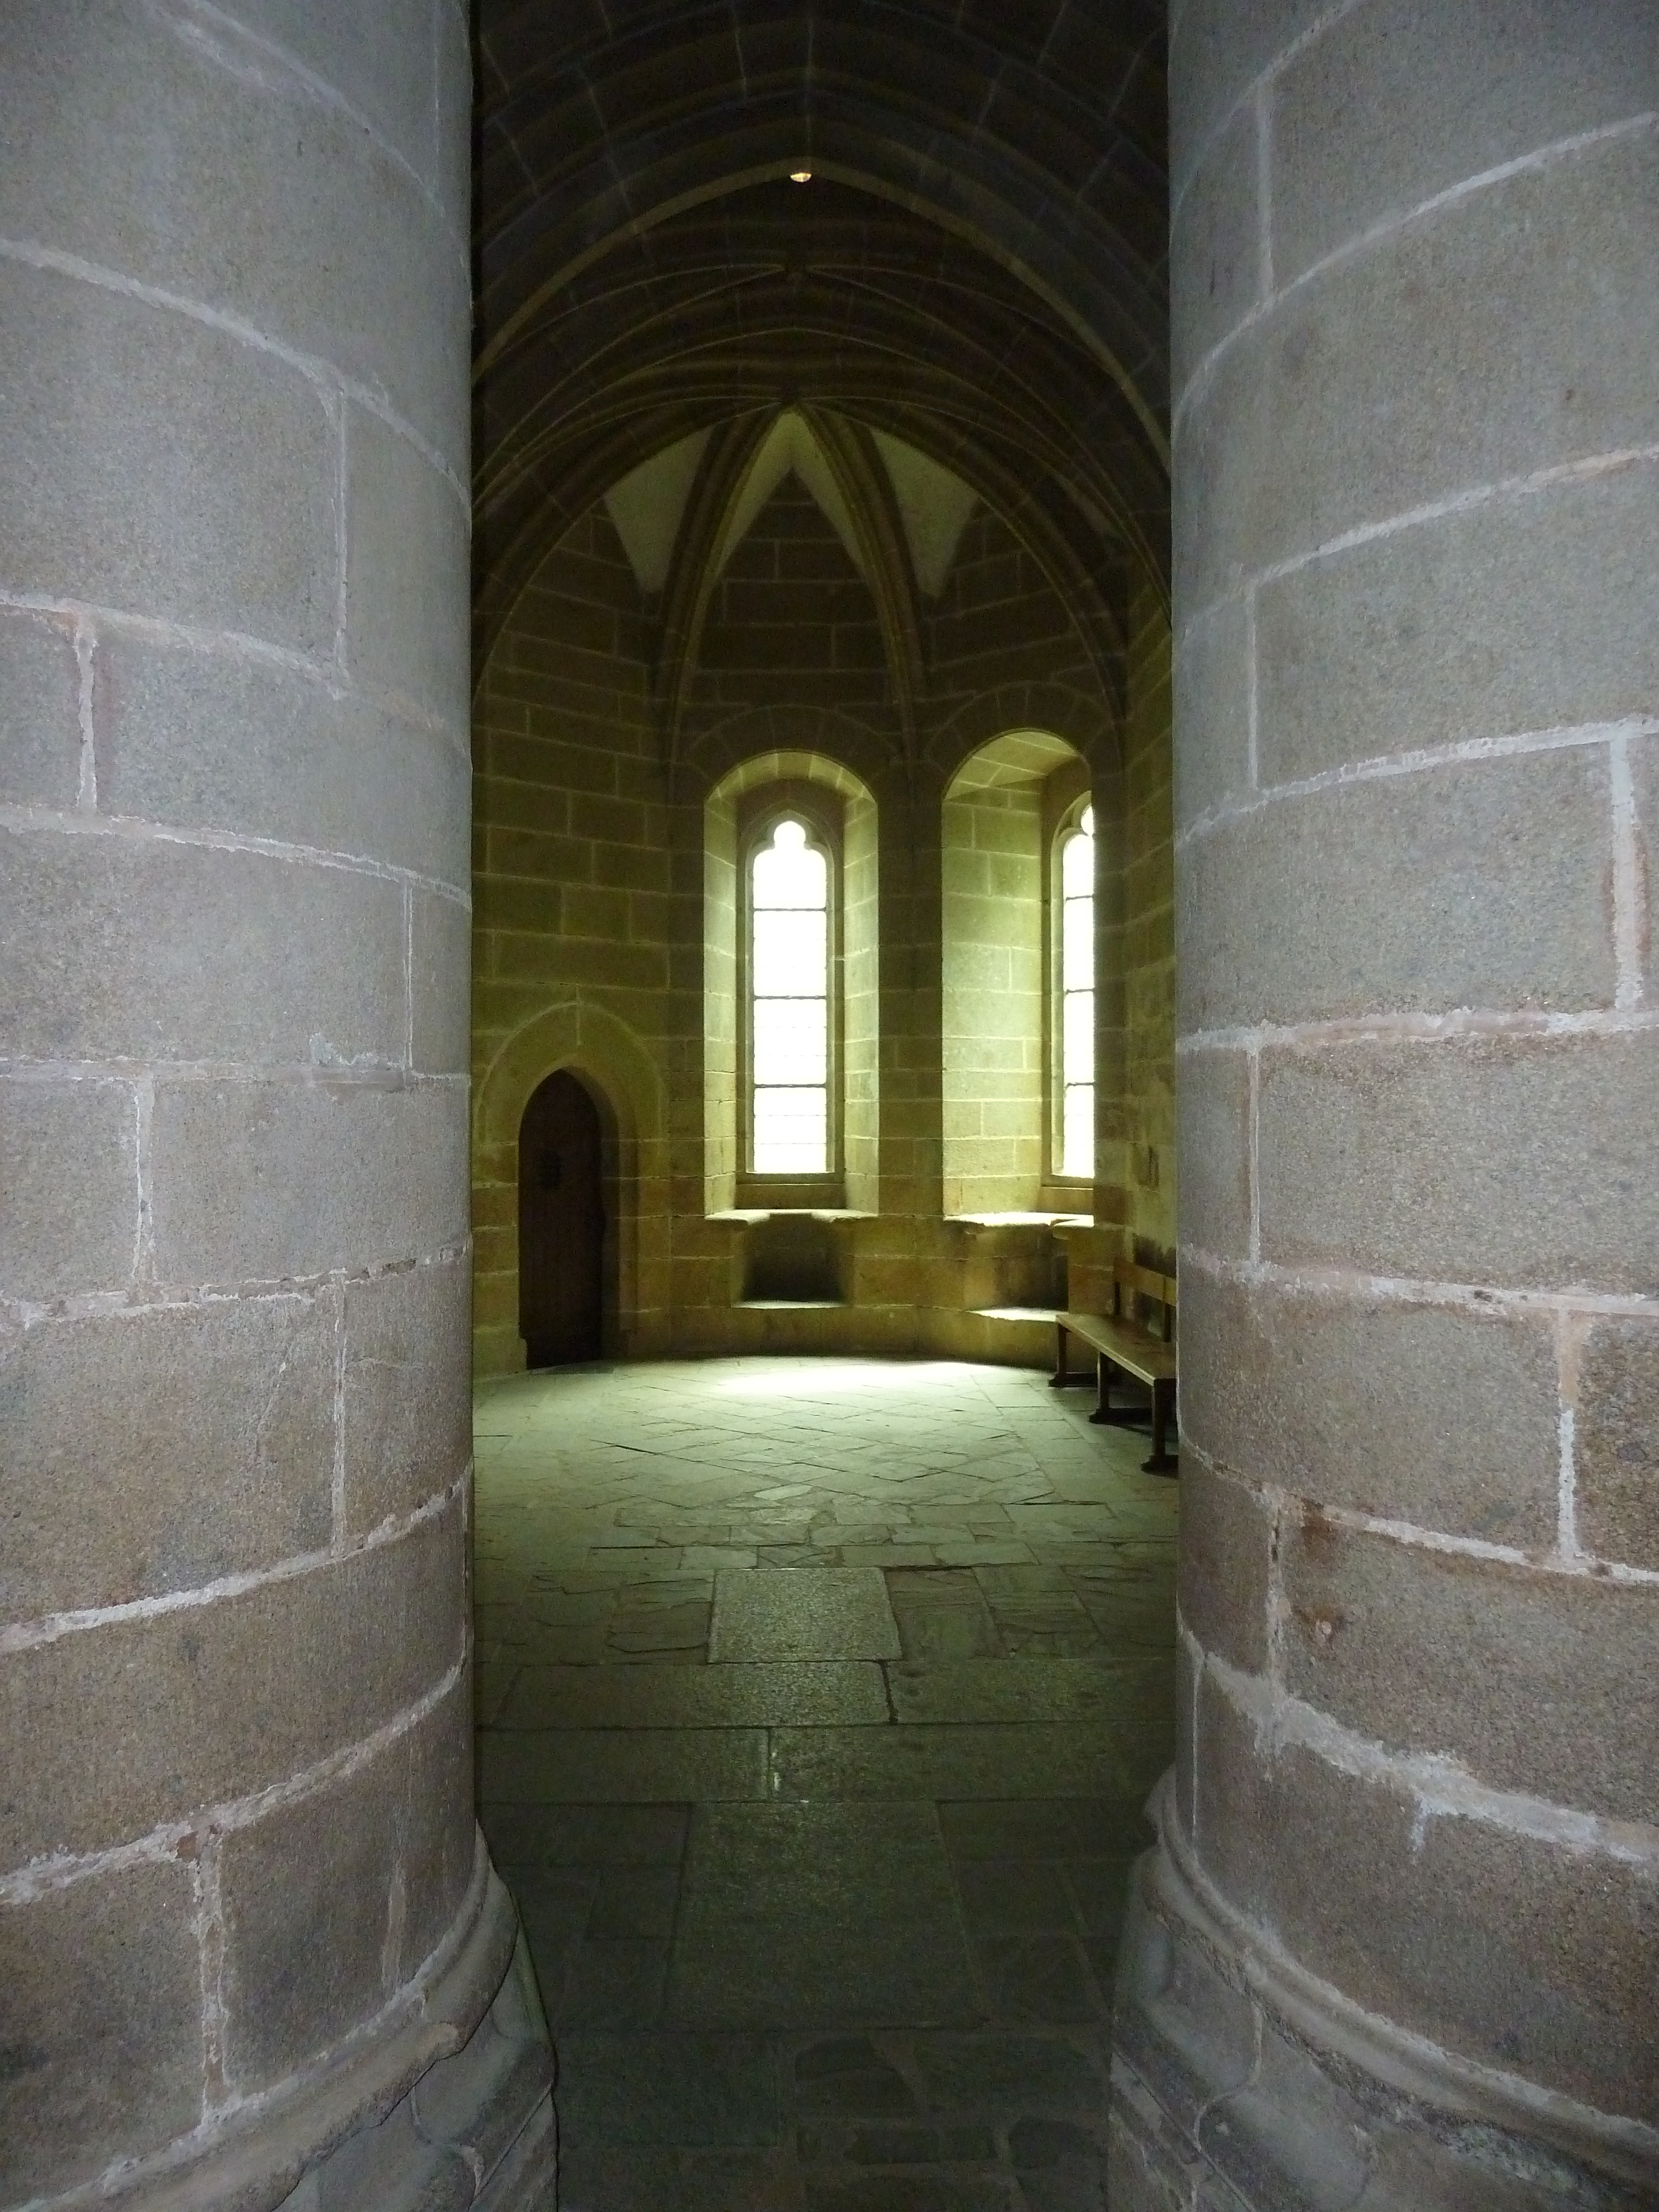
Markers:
{"x": 829, "y": 1320}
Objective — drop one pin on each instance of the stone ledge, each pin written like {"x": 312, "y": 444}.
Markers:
{"x": 750, "y": 1217}
{"x": 1240, "y": 2081}
{"x": 985, "y": 1223}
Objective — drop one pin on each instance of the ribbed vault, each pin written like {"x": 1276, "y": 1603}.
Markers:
{"x": 975, "y": 275}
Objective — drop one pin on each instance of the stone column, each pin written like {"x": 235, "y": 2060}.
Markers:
{"x": 1401, "y": 1944}
{"x": 245, "y": 1907}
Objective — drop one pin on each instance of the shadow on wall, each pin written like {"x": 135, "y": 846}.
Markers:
{"x": 792, "y": 1260}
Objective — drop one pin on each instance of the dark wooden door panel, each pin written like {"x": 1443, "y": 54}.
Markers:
{"x": 561, "y": 1225}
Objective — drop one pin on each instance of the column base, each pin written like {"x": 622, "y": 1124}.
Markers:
{"x": 477, "y": 2131}
{"x": 442, "y": 2105}
{"x": 1241, "y": 2084}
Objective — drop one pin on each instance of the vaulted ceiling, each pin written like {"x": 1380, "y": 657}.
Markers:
{"x": 972, "y": 285}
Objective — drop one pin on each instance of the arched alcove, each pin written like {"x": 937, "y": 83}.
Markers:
{"x": 1001, "y": 812}
{"x": 842, "y": 810}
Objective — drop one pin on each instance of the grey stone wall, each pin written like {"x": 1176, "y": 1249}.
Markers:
{"x": 244, "y": 1901}
{"x": 1414, "y": 1827}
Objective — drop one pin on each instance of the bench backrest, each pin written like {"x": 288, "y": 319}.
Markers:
{"x": 1130, "y": 1282}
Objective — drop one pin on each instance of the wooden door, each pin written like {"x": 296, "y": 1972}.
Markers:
{"x": 561, "y": 1225}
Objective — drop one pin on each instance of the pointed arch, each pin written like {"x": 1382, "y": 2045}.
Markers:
{"x": 615, "y": 1067}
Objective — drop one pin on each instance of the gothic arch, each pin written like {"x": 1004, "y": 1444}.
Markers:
{"x": 790, "y": 748}
{"x": 722, "y": 761}
{"x": 615, "y": 1068}
{"x": 588, "y": 1041}
{"x": 1085, "y": 724}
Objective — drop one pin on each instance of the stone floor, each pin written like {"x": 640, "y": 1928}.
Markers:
{"x": 818, "y": 1700}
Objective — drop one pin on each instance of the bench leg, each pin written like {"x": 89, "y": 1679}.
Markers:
{"x": 1161, "y": 1462}
{"x": 1103, "y": 1411}
{"x": 1062, "y": 1378}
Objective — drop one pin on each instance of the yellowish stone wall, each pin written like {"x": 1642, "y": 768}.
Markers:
{"x": 1148, "y": 939}
{"x": 606, "y": 925}
{"x": 1135, "y": 992}
{"x": 577, "y": 911}
{"x": 994, "y": 1026}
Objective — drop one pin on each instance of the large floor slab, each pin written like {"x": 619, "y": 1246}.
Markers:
{"x": 836, "y": 1692}
{"x": 1110, "y": 1691}
{"x": 684, "y": 2090}
{"x": 822, "y": 1915}
{"x": 636, "y": 1767}
{"x": 1039, "y": 1760}
{"x": 818, "y": 1703}
{"x": 841, "y": 1613}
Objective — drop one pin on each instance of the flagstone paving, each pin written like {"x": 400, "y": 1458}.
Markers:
{"x": 818, "y": 1700}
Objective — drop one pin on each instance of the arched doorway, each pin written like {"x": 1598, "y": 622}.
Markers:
{"x": 561, "y": 1223}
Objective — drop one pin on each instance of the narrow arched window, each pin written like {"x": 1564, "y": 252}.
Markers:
{"x": 789, "y": 1005}
{"x": 1075, "y": 1026}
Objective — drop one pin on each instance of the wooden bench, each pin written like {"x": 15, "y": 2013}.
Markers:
{"x": 1119, "y": 1342}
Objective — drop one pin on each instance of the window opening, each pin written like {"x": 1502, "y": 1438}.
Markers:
{"x": 1077, "y": 1001}
{"x": 789, "y": 1005}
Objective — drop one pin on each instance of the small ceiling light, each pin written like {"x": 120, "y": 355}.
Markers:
{"x": 800, "y": 176}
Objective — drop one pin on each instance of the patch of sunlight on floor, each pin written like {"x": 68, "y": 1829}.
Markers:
{"x": 827, "y": 1375}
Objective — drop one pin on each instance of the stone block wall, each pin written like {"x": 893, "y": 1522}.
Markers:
{"x": 243, "y": 1901}
{"x": 861, "y": 999}
{"x": 998, "y": 620}
{"x": 1145, "y": 914}
{"x": 792, "y": 622}
{"x": 606, "y": 912}
{"x": 1413, "y": 1817}
{"x": 1135, "y": 1198}
{"x": 995, "y": 1022}
{"x": 582, "y": 900}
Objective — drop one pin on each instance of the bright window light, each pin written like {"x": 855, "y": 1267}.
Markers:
{"x": 1077, "y": 1000}
{"x": 789, "y": 1005}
